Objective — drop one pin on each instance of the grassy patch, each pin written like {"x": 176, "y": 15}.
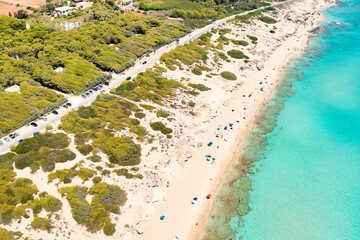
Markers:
{"x": 268, "y": 20}
{"x": 200, "y": 87}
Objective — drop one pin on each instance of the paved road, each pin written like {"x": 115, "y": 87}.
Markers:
{"x": 76, "y": 101}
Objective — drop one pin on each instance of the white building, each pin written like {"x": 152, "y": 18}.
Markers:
{"x": 64, "y": 10}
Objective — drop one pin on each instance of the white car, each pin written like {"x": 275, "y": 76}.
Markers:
{"x": 43, "y": 118}
{"x": 1, "y": 143}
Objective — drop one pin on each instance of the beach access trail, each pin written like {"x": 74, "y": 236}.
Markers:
{"x": 154, "y": 57}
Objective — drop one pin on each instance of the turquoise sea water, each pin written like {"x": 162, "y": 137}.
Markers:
{"x": 308, "y": 183}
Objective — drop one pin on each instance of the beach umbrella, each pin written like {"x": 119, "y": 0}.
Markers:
{"x": 163, "y": 217}
{"x": 218, "y": 128}
{"x": 237, "y": 120}
{"x": 225, "y": 127}
{"x": 210, "y": 143}
{"x": 231, "y": 124}
{"x": 208, "y": 159}
{"x": 208, "y": 196}
{"x": 218, "y": 134}
{"x": 225, "y": 139}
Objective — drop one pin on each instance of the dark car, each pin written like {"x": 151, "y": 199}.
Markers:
{"x": 65, "y": 106}
{"x": 33, "y": 124}
{"x": 87, "y": 94}
{"x": 36, "y": 133}
{"x": 69, "y": 104}
{"x": 145, "y": 62}
{"x": 128, "y": 78}
{"x": 96, "y": 88}
{"x": 91, "y": 91}
{"x": 106, "y": 83}
{"x": 11, "y": 135}
{"x": 55, "y": 112}
{"x": 100, "y": 86}
{"x": 1, "y": 143}
{"x": 20, "y": 140}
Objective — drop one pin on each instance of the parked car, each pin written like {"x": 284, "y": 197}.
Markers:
{"x": 1, "y": 143}
{"x": 65, "y": 106}
{"x": 106, "y": 83}
{"x": 195, "y": 200}
{"x": 145, "y": 62}
{"x": 69, "y": 104}
{"x": 87, "y": 94}
{"x": 102, "y": 91}
{"x": 11, "y": 135}
{"x": 100, "y": 86}
{"x": 33, "y": 124}
{"x": 7, "y": 139}
{"x": 43, "y": 118}
{"x": 95, "y": 88}
{"x": 20, "y": 140}
{"x": 84, "y": 96}
{"x": 36, "y": 133}
{"x": 128, "y": 78}
{"x": 91, "y": 91}
{"x": 55, "y": 112}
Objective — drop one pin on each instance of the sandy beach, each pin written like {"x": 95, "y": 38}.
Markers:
{"x": 176, "y": 170}
{"x": 199, "y": 178}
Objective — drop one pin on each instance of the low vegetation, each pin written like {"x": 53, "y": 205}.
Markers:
{"x": 148, "y": 86}
{"x": 66, "y": 175}
{"x": 43, "y": 150}
{"x": 237, "y": 54}
{"x": 95, "y": 215}
{"x": 125, "y": 172}
{"x": 18, "y": 194}
{"x": 228, "y": 75}
{"x": 113, "y": 113}
{"x": 268, "y": 20}
{"x": 200, "y": 87}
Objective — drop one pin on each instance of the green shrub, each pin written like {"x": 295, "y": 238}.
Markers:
{"x": 50, "y": 140}
{"x": 191, "y": 104}
{"x": 96, "y": 179}
{"x": 121, "y": 150}
{"x": 268, "y": 20}
{"x": 41, "y": 223}
{"x": 223, "y": 56}
{"x": 228, "y": 75}
{"x": 84, "y": 149}
{"x": 240, "y": 42}
{"x": 162, "y": 113}
{"x": 7, "y": 160}
{"x": 237, "y": 54}
{"x": 124, "y": 172}
{"x": 199, "y": 87}
{"x": 166, "y": 130}
{"x": 99, "y": 168}
{"x": 194, "y": 93}
{"x": 94, "y": 158}
{"x": 147, "y": 107}
{"x": 105, "y": 172}
{"x": 157, "y": 126}
{"x": 253, "y": 39}
{"x": 109, "y": 229}
{"x": 135, "y": 121}
{"x": 140, "y": 115}
{"x": 196, "y": 71}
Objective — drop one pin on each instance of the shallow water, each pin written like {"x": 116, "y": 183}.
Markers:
{"x": 307, "y": 183}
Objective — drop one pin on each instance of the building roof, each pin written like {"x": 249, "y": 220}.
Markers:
{"x": 64, "y": 8}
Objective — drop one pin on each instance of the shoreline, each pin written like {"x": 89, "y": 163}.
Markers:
{"x": 199, "y": 223}
{"x": 197, "y": 230}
